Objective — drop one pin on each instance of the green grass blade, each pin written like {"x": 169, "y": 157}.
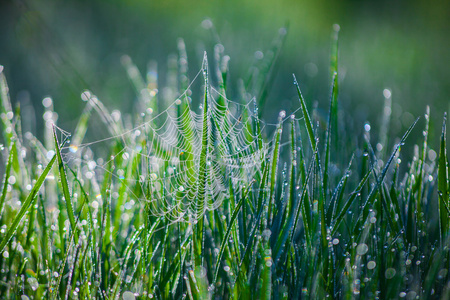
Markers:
{"x": 82, "y": 126}
{"x": 332, "y": 115}
{"x": 338, "y": 194}
{"x": 313, "y": 142}
{"x": 376, "y": 189}
{"x": 289, "y": 212}
{"x": 65, "y": 187}
{"x": 443, "y": 183}
{"x": 5, "y": 110}
{"x": 274, "y": 165}
{"x": 26, "y": 205}
{"x": 308, "y": 122}
{"x": 349, "y": 203}
{"x": 5, "y": 179}
{"x": 334, "y": 50}
{"x": 201, "y": 187}
{"x": 304, "y": 203}
{"x": 227, "y": 234}
{"x": 266, "y": 285}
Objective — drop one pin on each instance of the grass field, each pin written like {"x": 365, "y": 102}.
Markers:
{"x": 194, "y": 196}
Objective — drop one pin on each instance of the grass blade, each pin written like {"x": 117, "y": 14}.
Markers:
{"x": 65, "y": 186}
{"x": 227, "y": 234}
{"x": 332, "y": 115}
{"x": 201, "y": 187}
{"x": 443, "y": 183}
{"x": 26, "y": 205}
{"x": 5, "y": 180}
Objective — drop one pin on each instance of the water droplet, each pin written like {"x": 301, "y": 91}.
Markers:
{"x": 86, "y": 95}
{"x": 126, "y": 156}
{"x": 116, "y": 115}
{"x": 200, "y": 272}
{"x": 390, "y": 273}
{"x": 73, "y": 148}
{"x": 362, "y": 249}
{"x": 33, "y": 283}
{"x": 128, "y": 296}
{"x": 12, "y": 179}
{"x": 47, "y": 102}
{"x": 442, "y": 273}
{"x": 91, "y": 165}
{"x": 259, "y": 55}
{"x": 371, "y": 265}
{"x": 207, "y": 24}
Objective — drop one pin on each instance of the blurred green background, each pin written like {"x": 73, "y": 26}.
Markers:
{"x": 60, "y": 48}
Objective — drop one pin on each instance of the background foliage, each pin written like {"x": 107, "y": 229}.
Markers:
{"x": 60, "y": 48}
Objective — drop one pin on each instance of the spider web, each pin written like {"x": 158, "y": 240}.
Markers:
{"x": 176, "y": 169}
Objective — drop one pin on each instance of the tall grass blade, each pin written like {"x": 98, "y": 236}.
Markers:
{"x": 274, "y": 166}
{"x": 376, "y": 189}
{"x": 26, "y": 205}
{"x": 227, "y": 234}
{"x": 443, "y": 183}
{"x": 65, "y": 187}
{"x": 6, "y": 112}
{"x": 201, "y": 187}
{"x": 308, "y": 122}
{"x": 9, "y": 164}
{"x": 332, "y": 115}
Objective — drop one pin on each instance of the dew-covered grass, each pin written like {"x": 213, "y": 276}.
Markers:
{"x": 196, "y": 196}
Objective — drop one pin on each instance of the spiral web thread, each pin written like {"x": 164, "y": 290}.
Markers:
{"x": 168, "y": 150}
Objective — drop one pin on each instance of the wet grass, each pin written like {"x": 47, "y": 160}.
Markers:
{"x": 325, "y": 214}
